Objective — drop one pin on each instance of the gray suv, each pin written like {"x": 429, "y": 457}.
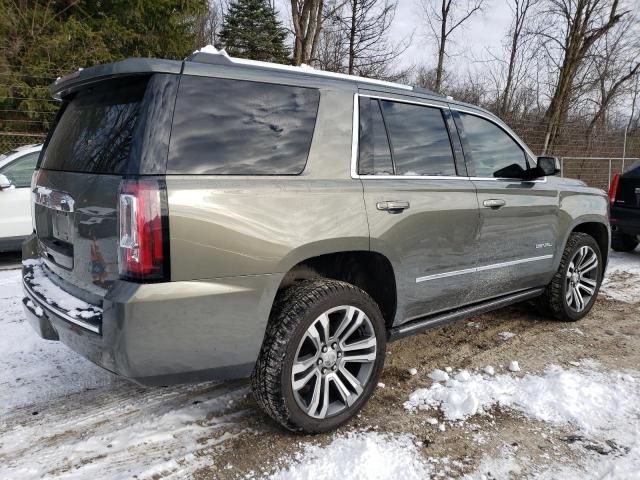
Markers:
{"x": 222, "y": 218}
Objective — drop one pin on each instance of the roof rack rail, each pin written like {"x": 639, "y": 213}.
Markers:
{"x": 418, "y": 89}
{"x": 212, "y": 55}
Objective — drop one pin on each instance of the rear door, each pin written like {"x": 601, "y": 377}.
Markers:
{"x": 103, "y": 133}
{"x": 628, "y": 192}
{"x": 518, "y": 219}
{"x": 625, "y": 208}
{"x": 421, "y": 207}
{"x": 15, "y": 202}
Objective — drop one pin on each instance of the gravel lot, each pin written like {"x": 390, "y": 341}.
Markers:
{"x": 62, "y": 417}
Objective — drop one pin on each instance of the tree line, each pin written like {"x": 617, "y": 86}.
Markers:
{"x": 562, "y": 62}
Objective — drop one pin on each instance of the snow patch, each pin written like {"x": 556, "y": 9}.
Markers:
{"x": 359, "y": 456}
{"x": 622, "y": 281}
{"x": 56, "y": 296}
{"x": 439, "y": 375}
{"x": 506, "y": 335}
{"x": 463, "y": 376}
{"x": 585, "y": 398}
{"x": 211, "y": 49}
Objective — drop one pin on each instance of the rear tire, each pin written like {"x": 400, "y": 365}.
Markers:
{"x": 621, "y": 242}
{"x": 310, "y": 349}
{"x": 574, "y": 288}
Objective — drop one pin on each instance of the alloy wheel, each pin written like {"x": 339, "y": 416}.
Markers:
{"x": 333, "y": 361}
{"x": 581, "y": 279}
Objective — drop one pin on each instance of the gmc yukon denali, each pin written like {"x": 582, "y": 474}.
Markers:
{"x": 223, "y": 218}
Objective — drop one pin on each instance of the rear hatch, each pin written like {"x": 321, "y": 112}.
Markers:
{"x": 628, "y": 192}
{"x": 105, "y": 132}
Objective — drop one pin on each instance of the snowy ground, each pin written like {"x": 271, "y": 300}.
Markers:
{"x": 570, "y": 409}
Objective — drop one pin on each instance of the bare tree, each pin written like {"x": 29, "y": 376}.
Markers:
{"x": 443, "y": 18}
{"x": 634, "y": 121}
{"x": 332, "y": 48}
{"x": 615, "y": 65}
{"x": 307, "y": 24}
{"x": 355, "y": 40}
{"x": 582, "y": 23}
{"x": 209, "y": 23}
{"x": 521, "y": 11}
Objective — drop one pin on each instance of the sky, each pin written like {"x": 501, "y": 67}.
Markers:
{"x": 484, "y": 31}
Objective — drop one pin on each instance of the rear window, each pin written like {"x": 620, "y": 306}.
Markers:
{"x": 238, "y": 127}
{"x": 95, "y": 131}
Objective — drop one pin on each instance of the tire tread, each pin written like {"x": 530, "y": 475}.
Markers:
{"x": 288, "y": 310}
{"x": 552, "y": 301}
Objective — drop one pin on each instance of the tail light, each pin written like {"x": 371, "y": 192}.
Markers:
{"x": 613, "y": 188}
{"x": 143, "y": 252}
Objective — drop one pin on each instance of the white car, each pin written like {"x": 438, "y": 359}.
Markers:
{"x": 16, "y": 168}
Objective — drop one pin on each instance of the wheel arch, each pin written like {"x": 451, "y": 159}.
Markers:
{"x": 595, "y": 227}
{"x": 370, "y": 271}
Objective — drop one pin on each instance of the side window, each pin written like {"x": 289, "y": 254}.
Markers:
{"x": 419, "y": 139}
{"x": 238, "y": 127}
{"x": 492, "y": 149}
{"x": 20, "y": 171}
{"x": 374, "y": 154}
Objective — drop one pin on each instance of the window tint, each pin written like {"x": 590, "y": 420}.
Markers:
{"x": 236, "y": 127}
{"x": 95, "y": 130}
{"x": 374, "y": 154}
{"x": 419, "y": 139}
{"x": 492, "y": 149}
{"x": 20, "y": 171}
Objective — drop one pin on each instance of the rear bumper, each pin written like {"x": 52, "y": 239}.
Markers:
{"x": 625, "y": 220}
{"x": 159, "y": 334}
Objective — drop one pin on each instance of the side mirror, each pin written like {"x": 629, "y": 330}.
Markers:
{"x": 4, "y": 182}
{"x": 548, "y": 166}
{"x": 511, "y": 171}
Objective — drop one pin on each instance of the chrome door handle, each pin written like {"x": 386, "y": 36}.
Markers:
{"x": 394, "y": 206}
{"x": 494, "y": 203}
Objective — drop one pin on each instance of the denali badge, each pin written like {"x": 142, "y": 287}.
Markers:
{"x": 544, "y": 245}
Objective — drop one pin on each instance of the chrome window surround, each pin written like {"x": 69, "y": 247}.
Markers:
{"x": 482, "y": 268}
{"x": 355, "y": 140}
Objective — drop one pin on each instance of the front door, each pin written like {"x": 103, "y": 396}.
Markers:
{"x": 421, "y": 207}
{"x": 518, "y": 219}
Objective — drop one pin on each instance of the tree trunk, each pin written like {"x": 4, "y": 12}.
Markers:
{"x": 352, "y": 35}
{"x": 442, "y": 46}
{"x": 307, "y": 22}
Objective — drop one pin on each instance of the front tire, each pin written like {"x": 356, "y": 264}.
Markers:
{"x": 322, "y": 355}
{"x": 574, "y": 288}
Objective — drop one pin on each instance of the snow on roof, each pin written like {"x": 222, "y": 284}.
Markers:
{"x": 306, "y": 69}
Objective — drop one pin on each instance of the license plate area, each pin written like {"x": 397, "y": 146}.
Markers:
{"x": 61, "y": 226}
{"x": 54, "y": 220}
{"x": 55, "y": 233}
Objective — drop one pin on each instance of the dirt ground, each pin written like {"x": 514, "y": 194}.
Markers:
{"x": 610, "y": 335}
{"x": 81, "y": 422}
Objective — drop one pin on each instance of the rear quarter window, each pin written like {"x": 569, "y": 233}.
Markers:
{"x": 238, "y": 127}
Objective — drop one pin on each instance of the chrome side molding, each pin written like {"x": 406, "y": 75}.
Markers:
{"x": 482, "y": 268}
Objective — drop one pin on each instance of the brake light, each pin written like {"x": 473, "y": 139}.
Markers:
{"x": 613, "y": 188}
{"x": 143, "y": 252}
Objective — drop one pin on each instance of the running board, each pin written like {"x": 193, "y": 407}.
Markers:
{"x": 437, "y": 320}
